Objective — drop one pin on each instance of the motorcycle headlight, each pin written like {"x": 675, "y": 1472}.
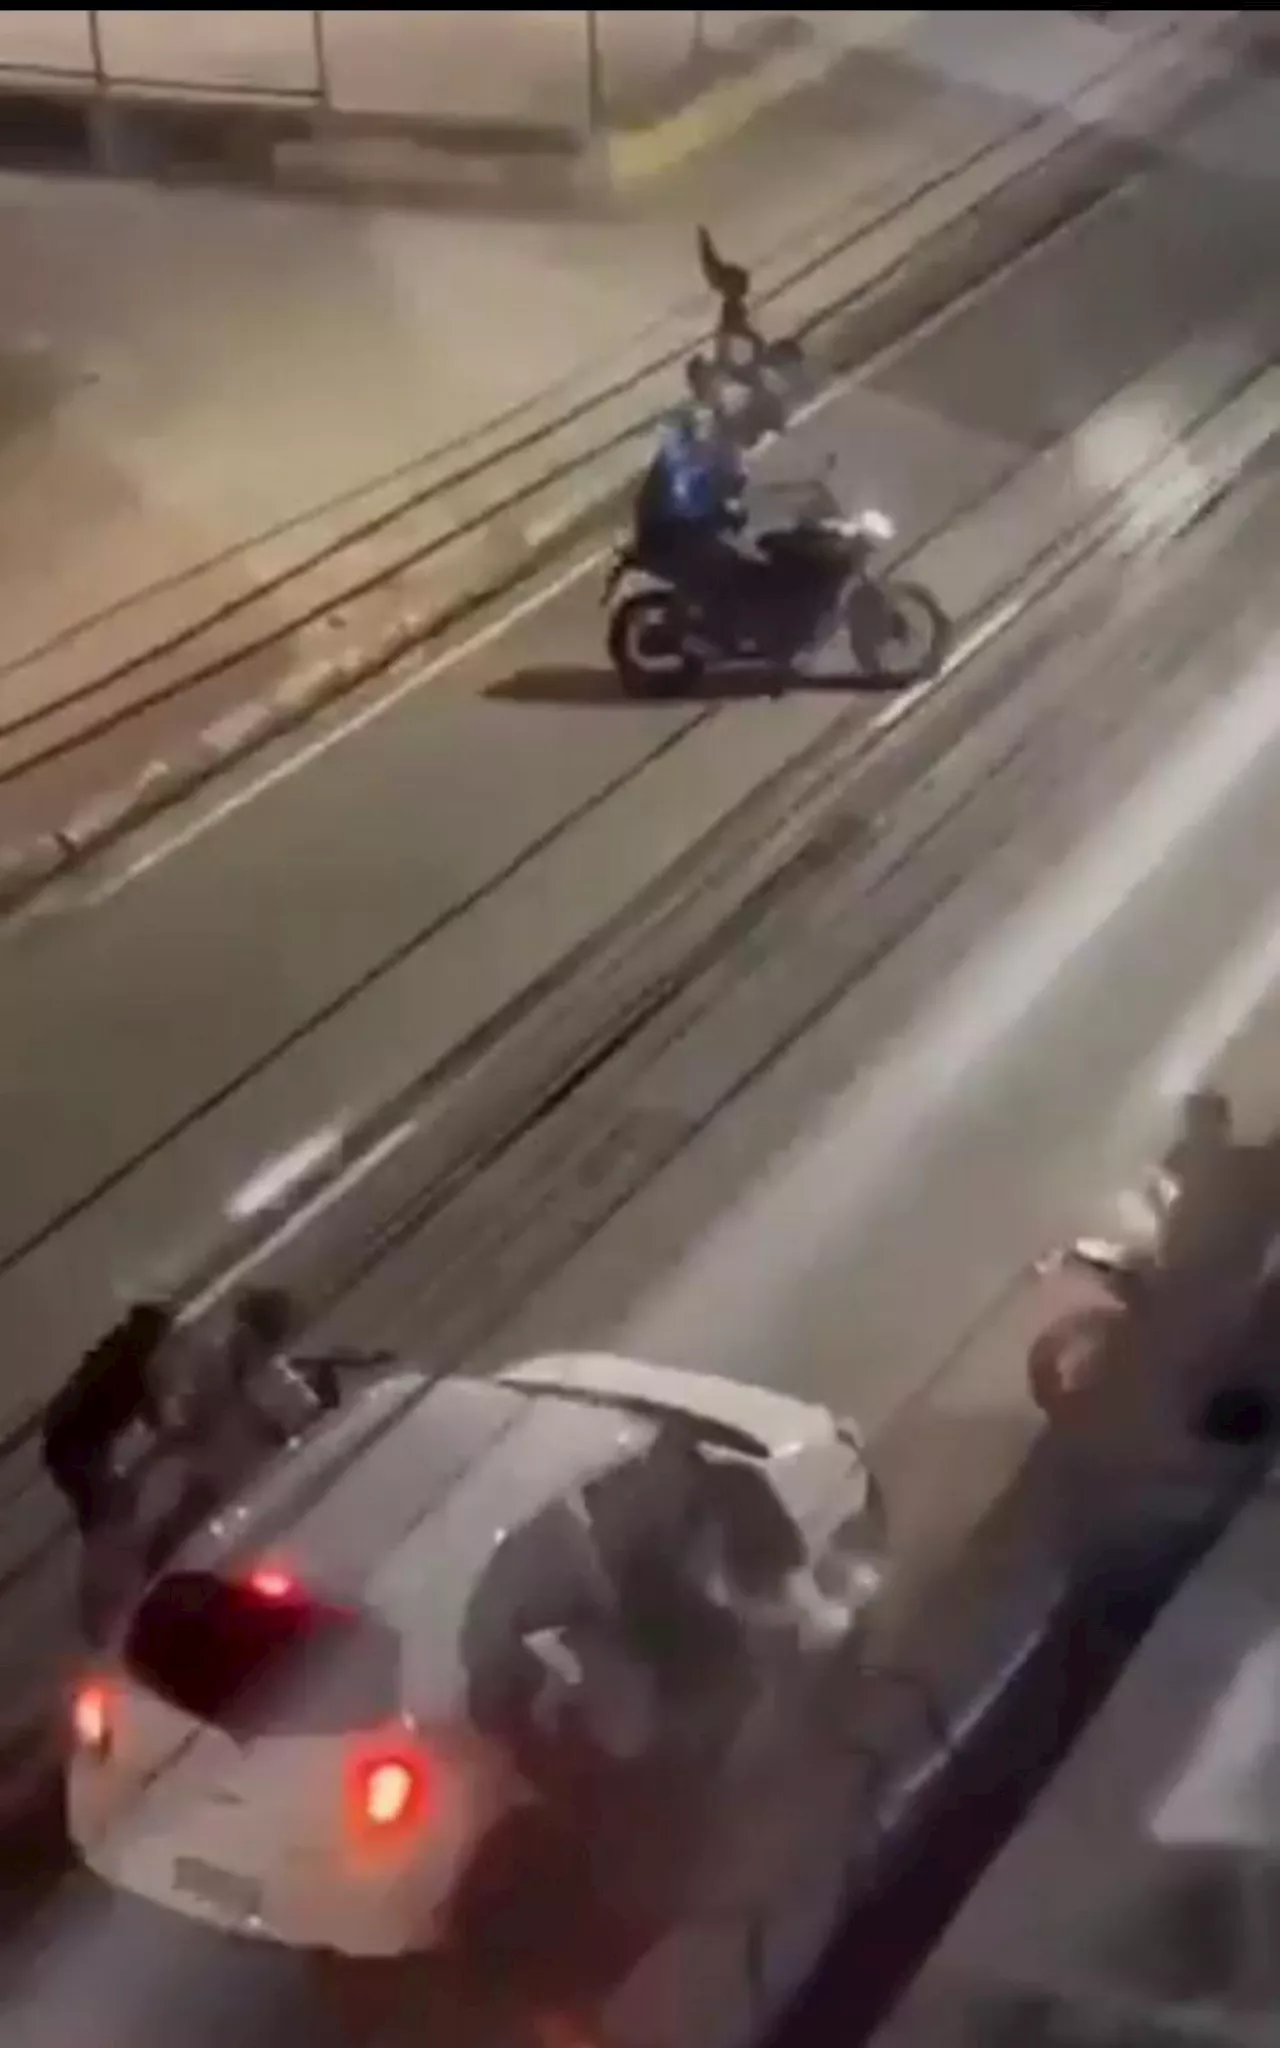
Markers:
{"x": 877, "y": 526}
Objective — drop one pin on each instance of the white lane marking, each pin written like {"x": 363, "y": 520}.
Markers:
{"x": 837, "y": 389}
{"x": 367, "y": 1163}
{"x": 963, "y": 651}
{"x": 278, "y": 1177}
{"x": 239, "y": 799}
{"x": 314, "y": 750}
{"x": 806, "y": 1210}
{"x": 452, "y": 657}
{"x": 299, "y": 1221}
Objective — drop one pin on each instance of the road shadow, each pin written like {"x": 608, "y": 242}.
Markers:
{"x": 584, "y": 687}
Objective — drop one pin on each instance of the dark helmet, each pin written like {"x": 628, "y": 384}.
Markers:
{"x": 148, "y": 1323}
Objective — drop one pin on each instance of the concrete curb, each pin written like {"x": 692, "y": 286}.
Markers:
{"x": 586, "y": 493}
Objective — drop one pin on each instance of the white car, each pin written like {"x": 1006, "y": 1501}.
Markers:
{"x": 311, "y": 1720}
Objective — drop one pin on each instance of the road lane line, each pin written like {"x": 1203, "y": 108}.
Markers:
{"x": 964, "y": 650}
{"x": 298, "y": 1222}
{"x": 832, "y": 392}
{"x": 365, "y": 1164}
{"x": 485, "y": 636}
{"x": 315, "y": 750}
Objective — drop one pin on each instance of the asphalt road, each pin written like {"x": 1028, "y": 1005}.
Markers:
{"x": 1062, "y": 1105}
{"x": 984, "y": 937}
{"x": 279, "y": 975}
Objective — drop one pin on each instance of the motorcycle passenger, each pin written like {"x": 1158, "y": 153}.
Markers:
{"x": 739, "y": 347}
{"x": 689, "y": 516}
{"x": 111, "y": 1390}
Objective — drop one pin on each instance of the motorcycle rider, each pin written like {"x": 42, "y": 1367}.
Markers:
{"x": 689, "y": 517}
{"x": 110, "y": 1391}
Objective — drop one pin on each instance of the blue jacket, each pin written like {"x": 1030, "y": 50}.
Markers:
{"x": 699, "y": 475}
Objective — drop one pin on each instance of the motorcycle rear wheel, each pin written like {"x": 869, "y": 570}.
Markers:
{"x": 649, "y": 645}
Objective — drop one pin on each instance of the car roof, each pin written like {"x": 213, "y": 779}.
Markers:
{"x": 342, "y": 1505}
{"x": 402, "y": 1498}
{"x": 753, "y": 1420}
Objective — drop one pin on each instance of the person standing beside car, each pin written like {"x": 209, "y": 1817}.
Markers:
{"x": 112, "y": 1389}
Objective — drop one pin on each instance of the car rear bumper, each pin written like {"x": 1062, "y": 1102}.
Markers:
{"x": 353, "y": 1919}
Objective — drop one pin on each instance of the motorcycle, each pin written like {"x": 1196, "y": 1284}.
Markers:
{"x": 816, "y": 577}
{"x": 1097, "y": 1284}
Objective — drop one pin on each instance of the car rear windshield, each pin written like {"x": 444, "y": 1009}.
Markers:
{"x": 226, "y": 1655}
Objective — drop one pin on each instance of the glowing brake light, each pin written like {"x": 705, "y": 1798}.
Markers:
{"x": 91, "y": 1719}
{"x": 389, "y": 1791}
{"x": 271, "y": 1584}
{"x": 390, "y": 1796}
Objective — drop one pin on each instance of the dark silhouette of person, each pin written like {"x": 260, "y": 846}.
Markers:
{"x": 689, "y": 519}
{"x": 738, "y": 343}
{"x": 110, "y": 1390}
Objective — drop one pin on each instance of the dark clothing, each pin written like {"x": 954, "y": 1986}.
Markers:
{"x": 688, "y": 520}
{"x": 83, "y": 1478}
{"x": 696, "y": 475}
{"x": 109, "y": 1392}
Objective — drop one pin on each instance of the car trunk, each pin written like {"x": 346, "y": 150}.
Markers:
{"x": 235, "y": 1719}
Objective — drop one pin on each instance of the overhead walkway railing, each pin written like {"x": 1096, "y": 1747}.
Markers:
{"x": 574, "y": 71}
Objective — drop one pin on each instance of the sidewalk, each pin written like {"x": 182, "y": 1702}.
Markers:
{"x": 181, "y": 370}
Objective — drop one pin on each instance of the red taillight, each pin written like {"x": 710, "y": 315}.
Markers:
{"x": 91, "y": 1719}
{"x": 270, "y": 1583}
{"x": 390, "y": 1790}
{"x": 390, "y": 1796}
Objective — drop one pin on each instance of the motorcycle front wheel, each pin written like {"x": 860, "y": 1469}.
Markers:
{"x": 899, "y": 632}
{"x": 648, "y": 645}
